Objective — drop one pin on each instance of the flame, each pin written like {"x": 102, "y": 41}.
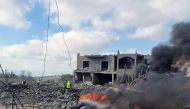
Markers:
{"x": 93, "y": 97}
{"x": 137, "y": 107}
{"x": 104, "y": 97}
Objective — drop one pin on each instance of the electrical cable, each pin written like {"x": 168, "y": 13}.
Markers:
{"x": 47, "y": 37}
{"x": 6, "y": 80}
{"x": 19, "y": 102}
{"x": 58, "y": 21}
{"x": 46, "y": 47}
{"x": 11, "y": 91}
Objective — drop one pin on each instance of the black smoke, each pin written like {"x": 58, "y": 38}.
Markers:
{"x": 160, "y": 91}
{"x": 169, "y": 90}
{"x": 174, "y": 54}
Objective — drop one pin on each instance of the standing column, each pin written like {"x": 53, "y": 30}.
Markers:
{"x": 92, "y": 76}
{"x": 112, "y": 78}
{"x": 82, "y": 78}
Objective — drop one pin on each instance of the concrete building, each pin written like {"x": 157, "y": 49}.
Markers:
{"x": 103, "y": 69}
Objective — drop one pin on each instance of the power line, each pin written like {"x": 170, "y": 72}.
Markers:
{"x": 9, "y": 88}
{"x": 58, "y": 21}
{"x": 4, "y": 75}
{"x": 47, "y": 37}
{"x": 46, "y": 47}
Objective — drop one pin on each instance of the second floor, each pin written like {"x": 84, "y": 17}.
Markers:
{"x": 108, "y": 62}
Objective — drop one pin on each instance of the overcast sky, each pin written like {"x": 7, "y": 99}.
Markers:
{"x": 91, "y": 27}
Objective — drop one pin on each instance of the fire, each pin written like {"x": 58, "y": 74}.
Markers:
{"x": 94, "y": 97}
{"x": 137, "y": 107}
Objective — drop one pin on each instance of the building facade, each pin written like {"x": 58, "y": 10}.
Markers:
{"x": 103, "y": 69}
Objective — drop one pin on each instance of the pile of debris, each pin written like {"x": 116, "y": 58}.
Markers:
{"x": 49, "y": 96}
{"x": 146, "y": 94}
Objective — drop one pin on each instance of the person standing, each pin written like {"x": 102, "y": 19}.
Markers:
{"x": 67, "y": 87}
{"x": 38, "y": 85}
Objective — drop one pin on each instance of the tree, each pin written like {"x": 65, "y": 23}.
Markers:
{"x": 66, "y": 77}
{"x": 26, "y": 75}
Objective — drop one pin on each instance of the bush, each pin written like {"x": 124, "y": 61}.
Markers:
{"x": 66, "y": 77}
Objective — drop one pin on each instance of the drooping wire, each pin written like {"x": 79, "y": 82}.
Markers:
{"x": 58, "y": 21}
{"x": 47, "y": 37}
{"x": 4, "y": 75}
{"x": 46, "y": 46}
{"x": 10, "y": 90}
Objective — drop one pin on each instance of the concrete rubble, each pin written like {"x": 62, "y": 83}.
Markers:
{"x": 50, "y": 96}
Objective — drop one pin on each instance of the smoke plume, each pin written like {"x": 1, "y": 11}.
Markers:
{"x": 160, "y": 91}
{"x": 165, "y": 89}
{"x": 174, "y": 55}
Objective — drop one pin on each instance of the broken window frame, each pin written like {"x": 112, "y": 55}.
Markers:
{"x": 85, "y": 65}
{"x": 127, "y": 63}
{"x": 104, "y": 68}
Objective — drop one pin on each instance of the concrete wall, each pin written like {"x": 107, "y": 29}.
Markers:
{"x": 128, "y": 71}
{"x": 95, "y": 65}
{"x": 82, "y": 77}
{"x": 95, "y": 62}
{"x": 119, "y": 56}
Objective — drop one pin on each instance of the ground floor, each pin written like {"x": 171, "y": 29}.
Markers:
{"x": 95, "y": 78}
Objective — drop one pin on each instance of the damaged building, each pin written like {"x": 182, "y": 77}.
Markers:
{"x": 103, "y": 69}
